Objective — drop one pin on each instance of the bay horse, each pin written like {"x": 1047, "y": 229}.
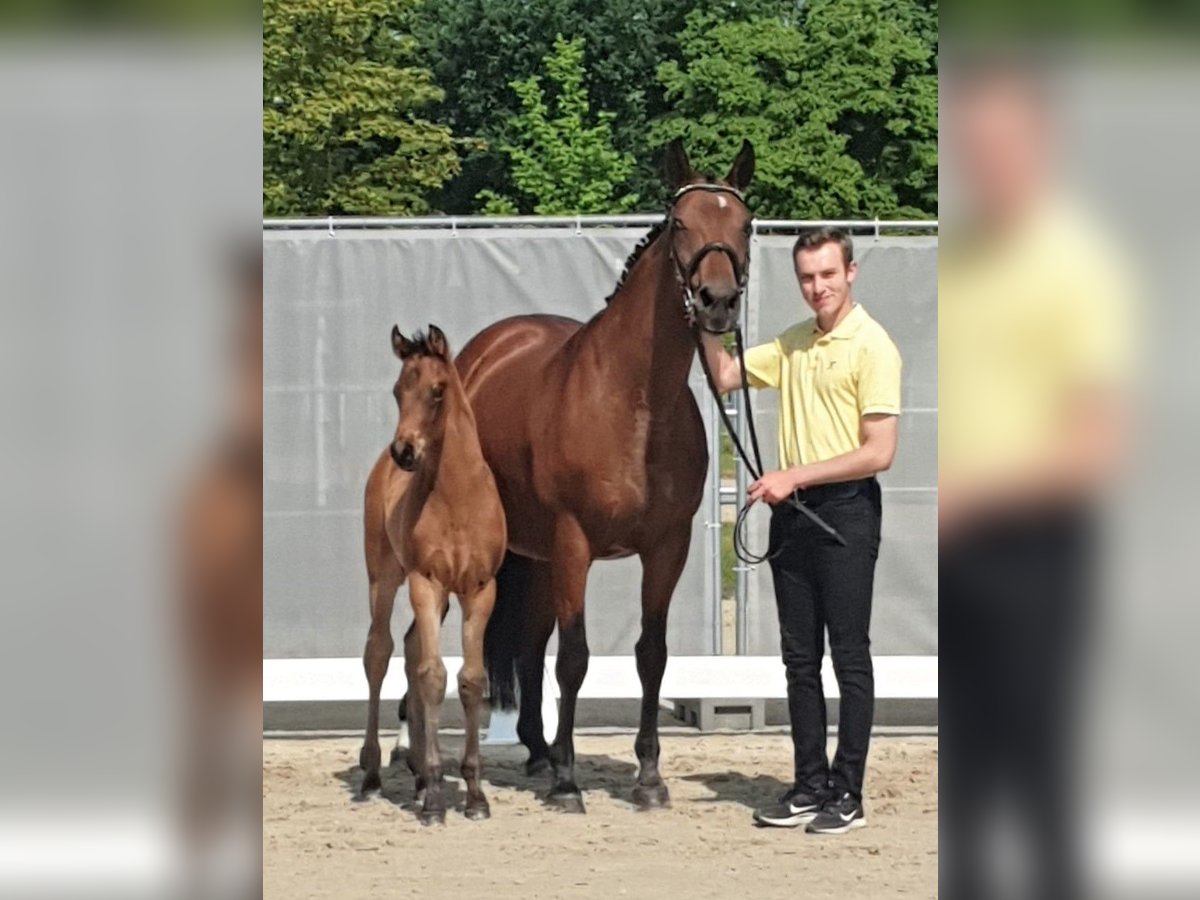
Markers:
{"x": 599, "y": 452}
{"x": 433, "y": 515}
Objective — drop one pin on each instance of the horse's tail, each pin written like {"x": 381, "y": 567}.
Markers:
{"x": 505, "y": 628}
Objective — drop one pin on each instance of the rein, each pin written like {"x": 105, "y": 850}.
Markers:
{"x": 684, "y": 274}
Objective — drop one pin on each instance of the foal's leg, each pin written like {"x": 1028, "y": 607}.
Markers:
{"x": 531, "y": 668}
{"x": 661, "y": 568}
{"x": 385, "y": 581}
{"x": 412, "y": 703}
{"x": 429, "y": 601}
{"x": 571, "y": 560}
{"x": 472, "y": 680}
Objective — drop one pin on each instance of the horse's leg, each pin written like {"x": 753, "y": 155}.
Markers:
{"x": 571, "y": 560}
{"x": 472, "y": 680}
{"x": 531, "y": 667}
{"x": 412, "y": 705}
{"x": 402, "y": 736}
{"x": 661, "y": 568}
{"x": 428, "y": 602}
{"x": 385, "y": 581}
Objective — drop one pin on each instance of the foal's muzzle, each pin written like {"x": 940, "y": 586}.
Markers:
{"x": 404, "y": 456}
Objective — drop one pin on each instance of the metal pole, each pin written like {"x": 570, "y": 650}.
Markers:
{"x": 713, "y": 531}
{"x": 351, "y": 223}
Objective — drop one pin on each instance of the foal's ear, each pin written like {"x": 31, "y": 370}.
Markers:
{"x": 402, "y": 346}
{"x": 742, "y": 169}
{"x": 678, "y": 169}
{"x": 438, "y": 343}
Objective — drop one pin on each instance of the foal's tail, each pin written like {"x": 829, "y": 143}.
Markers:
{"x": 505, "y": 628}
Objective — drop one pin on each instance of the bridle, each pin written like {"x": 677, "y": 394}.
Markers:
{"x": 685, "y": 273}
{"x": 741, "y": 273}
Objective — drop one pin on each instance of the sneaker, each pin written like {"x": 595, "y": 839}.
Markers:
{"x": 838, "y": 816}
{"x": 796, "y": 807}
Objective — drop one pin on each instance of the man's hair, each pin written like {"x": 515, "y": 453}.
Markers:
{"x": 819, "y": 237}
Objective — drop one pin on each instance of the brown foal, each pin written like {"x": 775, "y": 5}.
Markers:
{"x": 433, "y": 515}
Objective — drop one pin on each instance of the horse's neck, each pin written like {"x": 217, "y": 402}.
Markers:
{"x": 456, "y": 458}
{"x": 645, "y": 333}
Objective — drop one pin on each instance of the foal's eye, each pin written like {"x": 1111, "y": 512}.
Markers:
{"x": 438, "y": 392}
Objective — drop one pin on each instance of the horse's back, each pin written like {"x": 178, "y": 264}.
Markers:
{"x": 517, "y": 343}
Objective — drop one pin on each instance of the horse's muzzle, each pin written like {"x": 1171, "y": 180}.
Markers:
{"x": 405, "y": 457}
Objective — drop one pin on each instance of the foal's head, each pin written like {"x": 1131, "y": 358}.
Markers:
{"x": 426, "y": 378}
{"x": 709, "y": 233}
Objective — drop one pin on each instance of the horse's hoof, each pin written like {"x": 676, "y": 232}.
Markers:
{"x": 539, "y": 766}
{"x": 567, "y": 801}
{"x": 651, "y": 796}
{"x": 371, "y": 782}
{"x": 477, "y": 810}
{"x": 397, "y": 756}
{"x": 432, "y": 816}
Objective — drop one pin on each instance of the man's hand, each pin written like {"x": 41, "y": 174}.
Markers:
{"x": 775, "y": 487}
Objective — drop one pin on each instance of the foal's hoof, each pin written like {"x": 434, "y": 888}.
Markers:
{"x": 538, "y": 766}
{"x": 371, "y": 782}
{"x": 567, "y": 801}
{"x": 651, "y": 796}
{"x": 477, "y": 810}
{"x": 432, "y": 816}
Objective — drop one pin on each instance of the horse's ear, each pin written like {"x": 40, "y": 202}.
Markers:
{"x": 678, "y": 169}
{"x": 401, "y": 346}
{"x": 742, "y": 169}
{"x": 438, "y": 343}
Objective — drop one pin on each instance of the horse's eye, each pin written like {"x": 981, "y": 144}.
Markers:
{"x": 677, "y": 224}
{"x": 438, "y": 392}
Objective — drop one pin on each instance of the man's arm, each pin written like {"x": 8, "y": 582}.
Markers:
{"x": 726, "y": 371}
{"x": 877, "y": 433}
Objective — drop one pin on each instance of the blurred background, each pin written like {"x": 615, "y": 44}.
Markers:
{"x": 130, "y": 535}
{"x": 1067, "y": 376}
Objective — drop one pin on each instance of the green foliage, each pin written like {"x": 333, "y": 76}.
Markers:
{"x": 343, "y": 131}
{"x": 477, "y": 48}
{"x": 841, "y": 105}
{"x": 561, "y": 165}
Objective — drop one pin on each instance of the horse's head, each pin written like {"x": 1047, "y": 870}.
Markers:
{"x": 709, "y": 231}
{"x": 425, "y": 378}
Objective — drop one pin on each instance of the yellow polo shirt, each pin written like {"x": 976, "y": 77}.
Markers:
{"x": 827, "y": 383}
{"x": 1025, "y": 324}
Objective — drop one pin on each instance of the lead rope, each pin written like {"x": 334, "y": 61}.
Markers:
{"x": 740, "y": 546}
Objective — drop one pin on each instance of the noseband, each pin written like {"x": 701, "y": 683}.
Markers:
{"x": 685, "y": 273}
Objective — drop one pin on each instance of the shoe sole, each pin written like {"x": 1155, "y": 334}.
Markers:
{"x": 840, "y": 829}
{"x": 790, "y": 822}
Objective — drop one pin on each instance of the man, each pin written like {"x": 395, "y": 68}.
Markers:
{"x": 838, "y": 375}
{"x": 1035, "y": 337}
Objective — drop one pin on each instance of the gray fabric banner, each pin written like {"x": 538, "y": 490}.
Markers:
{"x": 329, "y": 306}
{"x": 897, "y": 284}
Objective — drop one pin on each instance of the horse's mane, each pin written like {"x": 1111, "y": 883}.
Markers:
{"x": 420, "y": 340}
{"x": 646, "y": 241}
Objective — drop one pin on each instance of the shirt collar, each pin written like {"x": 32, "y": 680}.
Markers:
{"x": 846, "y": 328}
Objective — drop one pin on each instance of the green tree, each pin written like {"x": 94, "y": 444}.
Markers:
{"x": 840, "y": 102}
{"x": 343, "y": 131}
{"x": 561, "y": 165}
{"x": 477, "y": 48}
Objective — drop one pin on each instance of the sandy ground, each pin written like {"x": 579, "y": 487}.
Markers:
{"x": 319, "y": 841}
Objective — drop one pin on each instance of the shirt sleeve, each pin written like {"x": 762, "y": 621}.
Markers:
{"x": 879, "y": 379}
{"x": 764, "y": 365}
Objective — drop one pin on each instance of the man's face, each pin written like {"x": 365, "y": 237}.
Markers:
{"x": 1002, "y": 144}
{"x": 825, "y": 278}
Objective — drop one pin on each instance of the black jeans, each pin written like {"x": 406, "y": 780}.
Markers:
{"x": 1015, "y": 600}
{"x": 820, "y": 584}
